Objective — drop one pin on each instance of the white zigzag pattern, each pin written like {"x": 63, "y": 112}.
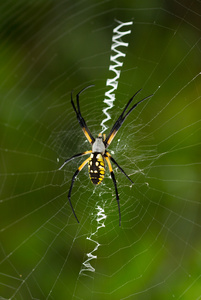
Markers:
{"x": 113, "y": 82}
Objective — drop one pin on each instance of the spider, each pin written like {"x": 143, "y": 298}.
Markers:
{"x": 99, "y": 153}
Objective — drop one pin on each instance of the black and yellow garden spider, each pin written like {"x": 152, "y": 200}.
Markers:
{"x": 96, "y": 161}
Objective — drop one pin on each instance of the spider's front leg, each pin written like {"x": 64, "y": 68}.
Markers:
{"x": 81, "y": 120}
{"x": 117, "y": 125}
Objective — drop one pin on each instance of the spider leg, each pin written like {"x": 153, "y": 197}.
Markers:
{"x": 121, "y": 119}
{"x": 72, "y": 182}
{"x": 81, "y": 120}
{"x": 115, "y": 185}
{"x": 114, "y": 161}
{"x": 74, "y": 156}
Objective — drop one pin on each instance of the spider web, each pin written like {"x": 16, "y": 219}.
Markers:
{"x": 48, "y": 49}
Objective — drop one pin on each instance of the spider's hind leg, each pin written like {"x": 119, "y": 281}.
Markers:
{"x": 120, "y": 168}
{"x": 72, "y": 182}
{"x": 115, "y": 186}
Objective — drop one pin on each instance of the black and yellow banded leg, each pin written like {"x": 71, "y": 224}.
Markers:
{"x": 74, "y": 156}
{"x": 115, "y": 185}
{"x": 81, "y": 120}
{"x": 72, "y": 182}
{"x": 122, "y": 118}
{"x": 114, "y": 161}
{"x": 110, "y": 137}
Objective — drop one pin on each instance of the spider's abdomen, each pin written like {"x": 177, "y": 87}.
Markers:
{"x": 96, "y": 168}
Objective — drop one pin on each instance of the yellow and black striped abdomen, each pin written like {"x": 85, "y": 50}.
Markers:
{"x": 96, "y": 168}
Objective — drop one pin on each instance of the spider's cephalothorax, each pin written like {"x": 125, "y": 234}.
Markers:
{"x": 98, "y": 154}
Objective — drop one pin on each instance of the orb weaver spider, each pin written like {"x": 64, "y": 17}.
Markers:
{"x": 98, "y": 154}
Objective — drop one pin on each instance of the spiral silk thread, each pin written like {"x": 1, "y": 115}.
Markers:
{"x": 118, "y": 33}
{"x": 114, "y": 66}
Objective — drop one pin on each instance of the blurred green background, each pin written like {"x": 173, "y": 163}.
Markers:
{"x": 49, "y": 48}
